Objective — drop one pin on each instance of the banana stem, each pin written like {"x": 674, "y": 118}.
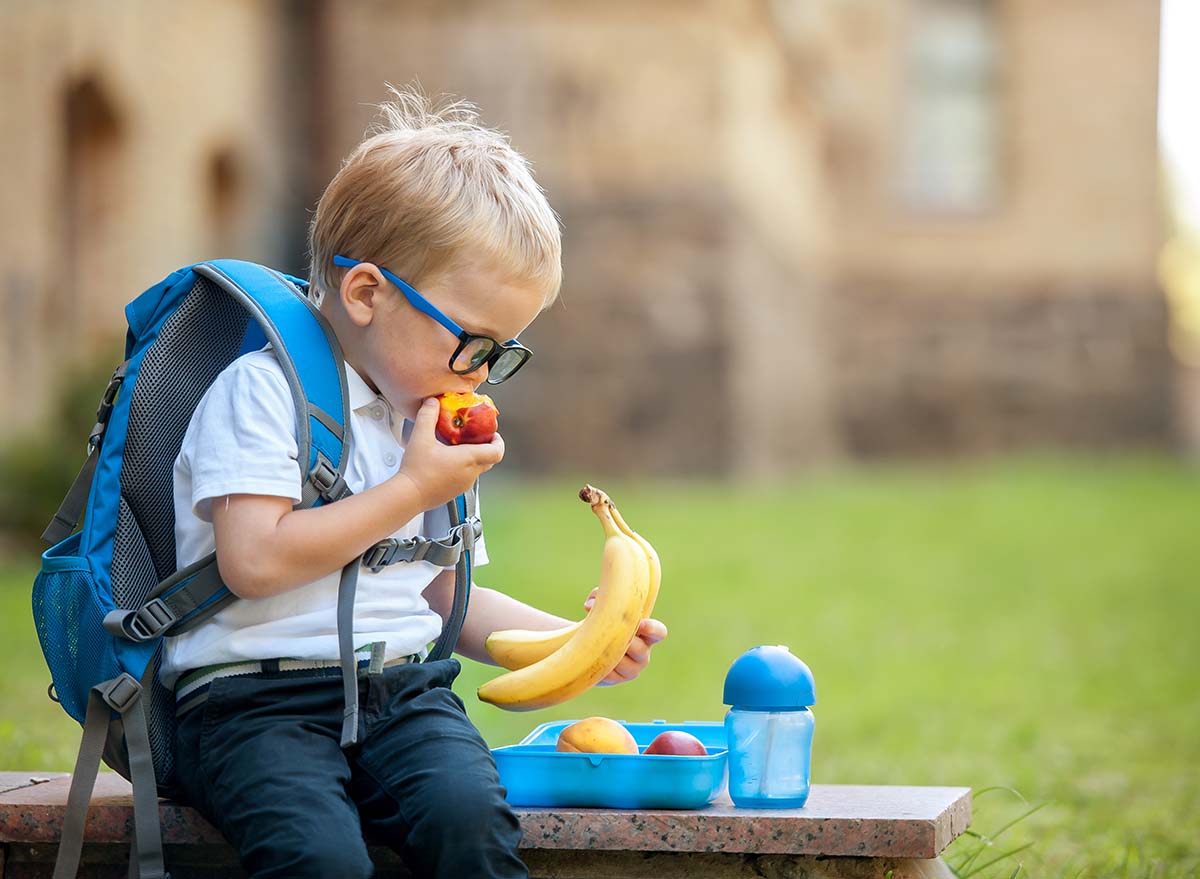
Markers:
{"x": 593, "y": 496}
{"x": 603, "y": 508}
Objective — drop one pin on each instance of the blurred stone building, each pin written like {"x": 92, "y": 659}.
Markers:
{"x": 794, "y": 230}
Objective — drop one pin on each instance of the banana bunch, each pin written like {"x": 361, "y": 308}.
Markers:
{"x": 549, "y": 667}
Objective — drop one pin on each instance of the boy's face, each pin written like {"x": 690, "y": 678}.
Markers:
{"x": 405, "y": 354}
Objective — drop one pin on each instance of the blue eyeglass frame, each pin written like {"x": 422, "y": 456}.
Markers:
{"x": 423, "y": 305}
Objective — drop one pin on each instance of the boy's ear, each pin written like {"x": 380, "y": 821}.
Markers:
{"x": 359, "y": 293}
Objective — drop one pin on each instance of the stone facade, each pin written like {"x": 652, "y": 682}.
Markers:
{"x": 1032, "y": 318}
{"x": 693, "y": 206}
{"x": 137, "y": 137}
{"x": 766, "y": 264}
{"x": 960, "y": 371}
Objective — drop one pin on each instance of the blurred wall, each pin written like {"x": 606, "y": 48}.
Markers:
{"x": 998, "y": 223}
{"x": 684, "y": 162}
{"x": 138, "y": 137}
{"x": 794, "y": 230}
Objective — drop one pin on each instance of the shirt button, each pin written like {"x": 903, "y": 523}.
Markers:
{"x": 377, "y": 413}
{"x": 389, "y": 459}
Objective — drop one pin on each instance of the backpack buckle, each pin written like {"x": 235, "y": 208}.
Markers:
{"x": 380, "y": 555}
{"x": 472, "y": 530}
{"x": 330, "y": 484}
{"x": 151, "y": 619}
{"x": 121, "y": 692}
{"x": 107, "y": 402}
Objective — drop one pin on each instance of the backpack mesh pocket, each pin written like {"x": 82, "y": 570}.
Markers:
{"x": 69, "y": 611}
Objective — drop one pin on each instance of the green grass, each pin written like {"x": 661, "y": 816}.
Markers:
{"x": 1028, "y": 625}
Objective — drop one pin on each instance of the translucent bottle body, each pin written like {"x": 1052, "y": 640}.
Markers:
{"x": 770, "y": 753}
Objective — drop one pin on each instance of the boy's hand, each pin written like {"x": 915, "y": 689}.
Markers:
{"x": 440, "y": 472}
{"x": 637, "y": 655}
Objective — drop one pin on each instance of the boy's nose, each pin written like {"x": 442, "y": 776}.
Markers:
{"x": 477, "y": 377}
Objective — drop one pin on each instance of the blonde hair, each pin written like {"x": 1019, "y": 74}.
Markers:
{"x": 428, "y": 188}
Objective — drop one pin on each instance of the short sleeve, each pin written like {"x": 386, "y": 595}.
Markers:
{"x": 242, "y": 436}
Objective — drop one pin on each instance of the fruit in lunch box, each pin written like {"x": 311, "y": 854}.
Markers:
{"x": 675, "y": 741}
{"x": 593, "y": 649}
{"x": 466, "y": 418}
{"x": 596, "y": 735}
{"x": 517, "y": 648}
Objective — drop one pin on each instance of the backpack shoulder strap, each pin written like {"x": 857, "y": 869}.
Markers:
{"x": 457, "y": 549}
{"x": 314, "y": 368}
{"x": 464, "y": 518}
{"x": 312, "y": 362}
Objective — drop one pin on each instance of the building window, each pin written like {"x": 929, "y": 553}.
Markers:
{"x": 91, "y": 204}
{"x": 950, "y": 140}
{"x": 224, "y": 186}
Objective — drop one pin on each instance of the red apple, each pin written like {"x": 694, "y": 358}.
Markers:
{"x": 466, "y": 418}
{"x": 675, "y": 741}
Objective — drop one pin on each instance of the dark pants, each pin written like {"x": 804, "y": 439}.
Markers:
{"x": 260, "y": 759}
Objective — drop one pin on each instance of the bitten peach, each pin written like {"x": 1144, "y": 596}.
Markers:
{"x": 466, "y": 418}
{"x": 674, "y": 741}
{"x": 596, "y": 735}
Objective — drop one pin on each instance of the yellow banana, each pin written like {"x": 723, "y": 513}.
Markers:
{"x": 517, "y": 648}
{"x": 599, "y": 643}
{"x": 651, "y": 555}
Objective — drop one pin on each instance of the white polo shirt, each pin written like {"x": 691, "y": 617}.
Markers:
{"x": 242, "y": 440}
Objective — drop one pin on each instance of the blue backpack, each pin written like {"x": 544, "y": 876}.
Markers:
{"x": 108, "y": 593}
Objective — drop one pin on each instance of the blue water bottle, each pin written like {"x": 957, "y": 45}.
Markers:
{"x": 770, "y": 729}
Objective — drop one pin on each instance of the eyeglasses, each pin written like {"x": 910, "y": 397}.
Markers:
{"x": 503, "y": 359}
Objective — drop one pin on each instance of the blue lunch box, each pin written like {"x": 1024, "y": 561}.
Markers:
{"x": 537, "y": 775}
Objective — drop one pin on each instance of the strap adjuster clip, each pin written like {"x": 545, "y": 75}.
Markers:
{"x": 107, "y": 402}
{"x": 151, "y": 620}
{"x": 472, "y": 530}
{"x": 380, "y": 555}
{"x": 122, "y": 692}
{"x": 443, "y": 552}
{"x": 330, "y": 484}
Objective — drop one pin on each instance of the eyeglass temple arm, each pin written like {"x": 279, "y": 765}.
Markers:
{"x": 419, "y": 302}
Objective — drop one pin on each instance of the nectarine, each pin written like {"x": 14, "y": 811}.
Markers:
{"x": 674, "y": 741}
{"x": 466, "y": 418}
{"x": 596, "y": 735}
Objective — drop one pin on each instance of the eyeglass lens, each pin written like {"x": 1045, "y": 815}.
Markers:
{"x": 506, "y": 364}
{"x": 473, "y": 355}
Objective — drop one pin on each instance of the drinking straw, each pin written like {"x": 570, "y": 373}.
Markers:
{"x": 772, "y": 722}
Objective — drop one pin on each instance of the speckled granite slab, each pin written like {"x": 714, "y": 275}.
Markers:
{"x": 859, "y": 821}
{"x": 846, "y": 820}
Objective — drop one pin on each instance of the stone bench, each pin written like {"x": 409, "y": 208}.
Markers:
{"x": 845, "y": 831}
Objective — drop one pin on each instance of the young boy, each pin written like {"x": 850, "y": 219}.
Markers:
{"x": 450, "y": 208}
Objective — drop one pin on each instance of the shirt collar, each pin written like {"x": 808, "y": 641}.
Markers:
{"x": 360, "y": 393}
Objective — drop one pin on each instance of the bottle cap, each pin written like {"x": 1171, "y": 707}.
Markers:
{"x": 769, "y": 678}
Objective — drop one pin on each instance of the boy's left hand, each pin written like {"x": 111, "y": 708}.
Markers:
{"x": 637, "y": 657}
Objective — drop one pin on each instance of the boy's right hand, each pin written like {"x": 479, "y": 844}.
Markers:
{"x": 440, "y": 472}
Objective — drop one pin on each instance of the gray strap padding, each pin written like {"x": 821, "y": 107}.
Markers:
{"x": 345, "y": 626}
{"x": 147, "y": 839}
{"x": 197, "y": 592}
{"x": 83, "y": 782}
{"x": 173, "y": 599}
{"x": 462, "y": 581}
{"x": 123, "y": 695}
{"x": 326, "y": 419}
{"x": 71, "y": 509}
